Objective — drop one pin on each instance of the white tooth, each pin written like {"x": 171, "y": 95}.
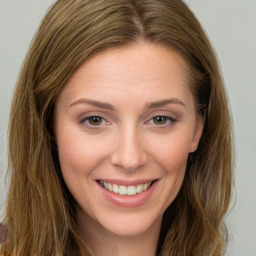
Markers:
{"x": 105, "y": 185}
{"x": 110, "y": 187}
{"x": 115, "y": 188}
{"x": 131, "y": 190}
{"x": 123, "y": 190}
{"x": 139, "y": 188}
{"x": 145, "y": 186}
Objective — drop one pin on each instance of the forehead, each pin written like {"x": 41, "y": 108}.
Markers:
{"x": 153, "y": 57}
{"x": 143, "y": 67}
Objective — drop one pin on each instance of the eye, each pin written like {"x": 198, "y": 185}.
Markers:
{"x": 94, "y": 121}
{"x": 161, "y": 120}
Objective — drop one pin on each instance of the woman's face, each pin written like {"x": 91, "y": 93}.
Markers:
{"x": 125, "y": 123}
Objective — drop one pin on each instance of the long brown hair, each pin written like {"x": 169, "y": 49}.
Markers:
{"x": 40, "y": 213}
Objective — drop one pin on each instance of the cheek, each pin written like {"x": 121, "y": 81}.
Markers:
{"x": 172, "y": 152}
{"x": 78, "y": 153}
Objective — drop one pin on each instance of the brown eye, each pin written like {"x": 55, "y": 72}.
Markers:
{"x": 160, "y": 120}
{"x": 94, "y": 120}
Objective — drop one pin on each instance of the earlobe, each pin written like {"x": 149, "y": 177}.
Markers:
{"x": 197, "y": 134}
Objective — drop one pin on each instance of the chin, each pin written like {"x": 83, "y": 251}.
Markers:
{"x": 131, "y": 224}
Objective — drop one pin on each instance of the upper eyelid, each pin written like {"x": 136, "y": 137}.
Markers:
{"x": 170, "y": 122}
{"x": 172, "y": 119}
{"x": 168, "y": 114}
{"x": 90, "y": 126}
{"x": 91, "y": 114}
{"x": 113, "y": 118}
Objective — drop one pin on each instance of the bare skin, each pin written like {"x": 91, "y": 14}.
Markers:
{"x": 126, "y": 120}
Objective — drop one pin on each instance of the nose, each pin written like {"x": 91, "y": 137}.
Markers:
{"x": 129, "y": 152}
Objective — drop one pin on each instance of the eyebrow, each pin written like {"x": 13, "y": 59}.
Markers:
{"x": 95, "y": 103}
{"x": 109, "y": 106}
{"x": 162, "y": 103}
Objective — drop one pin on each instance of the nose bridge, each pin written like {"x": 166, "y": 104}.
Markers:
{"x": 129, "y": 151}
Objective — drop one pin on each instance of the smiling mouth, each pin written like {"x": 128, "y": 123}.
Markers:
{"x": 126, "y": 190}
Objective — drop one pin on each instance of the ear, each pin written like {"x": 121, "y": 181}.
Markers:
{"x": 197, "y": 134}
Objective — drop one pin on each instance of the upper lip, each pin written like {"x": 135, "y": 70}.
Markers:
{"x": 127, "y": 182}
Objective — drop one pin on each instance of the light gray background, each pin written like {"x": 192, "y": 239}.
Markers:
{"x": 231, "y": 26}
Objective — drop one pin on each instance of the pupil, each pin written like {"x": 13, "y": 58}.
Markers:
{"x": 159, "y": 120}
{"x": 95, "y": 120}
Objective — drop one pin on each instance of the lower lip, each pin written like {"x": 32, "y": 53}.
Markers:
{"x": 129, "y": 201}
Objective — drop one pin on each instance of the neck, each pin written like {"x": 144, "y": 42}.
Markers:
{"x": 103, "y": 242}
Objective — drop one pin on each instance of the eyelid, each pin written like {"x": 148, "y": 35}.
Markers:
{"x": 89, "y": 114}
{"x": 84, "y": 118}
{"x": 171, "y": 121}
{"x": 165, "y": 113}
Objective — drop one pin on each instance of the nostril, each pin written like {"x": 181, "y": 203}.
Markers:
{"x": 128, "y": 161}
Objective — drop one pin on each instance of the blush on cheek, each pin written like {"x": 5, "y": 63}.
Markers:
{"x": 73, "y": 161}
{"x": 172, "y": 156}
{"x": 79, "y": 156}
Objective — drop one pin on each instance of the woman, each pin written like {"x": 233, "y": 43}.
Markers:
{"x": 120, "y": 140}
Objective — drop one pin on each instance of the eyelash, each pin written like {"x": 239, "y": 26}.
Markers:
{"x": 169, "y": 121}
{"x": 87, "y": 119}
